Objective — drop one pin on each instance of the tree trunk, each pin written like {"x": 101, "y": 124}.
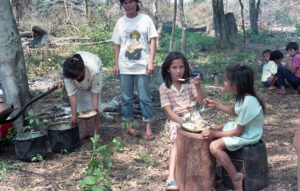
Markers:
{"x": 183, "y": 26}
{"x": 220, "y": 24}
{"x": 20, "y": 7}
{"x": 243, "y": 21}
{"x": 86, "y": 8}
{"x": 12, "y": 66}
{"x": 157, "y": 21}
{"x": 195, "y": 166}
{"x": 231, "y": 24}
{"x": 173, "y": 26}
{"x": 254, "y": 11}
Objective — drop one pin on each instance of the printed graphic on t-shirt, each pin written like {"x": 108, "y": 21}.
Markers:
{"x": 134, "y": 50}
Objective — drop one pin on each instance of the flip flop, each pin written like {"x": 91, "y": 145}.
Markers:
{"x": 134, "y": 133}
{"x": 149, "y": 137}
{"x": 171, "y": 186}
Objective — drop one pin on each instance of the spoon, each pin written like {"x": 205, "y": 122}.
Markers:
{"x": 183, "y": 79}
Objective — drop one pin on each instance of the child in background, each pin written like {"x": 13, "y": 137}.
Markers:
{"x": 291, "y": 71}
{"x": 268, "y": 77}
{"x": 178, "y": 98}
{"x": 266, "y": 57}
{"x": 246, "y": 129}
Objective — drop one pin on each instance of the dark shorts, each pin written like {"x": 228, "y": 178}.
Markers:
{"x": 267, "y": 83}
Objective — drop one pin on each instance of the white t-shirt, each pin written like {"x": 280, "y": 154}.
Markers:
{"x": 93, "y": 75}
{"x": 269, "y": 69}
{"x": 133, "y": 35}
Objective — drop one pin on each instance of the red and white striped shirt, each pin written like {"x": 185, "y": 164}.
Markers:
{"x": 181, "y": 101}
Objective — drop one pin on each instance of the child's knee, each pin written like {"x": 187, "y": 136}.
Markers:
{"x": 214, "y": 148}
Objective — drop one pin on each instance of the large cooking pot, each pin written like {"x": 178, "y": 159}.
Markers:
{"x": 6, "y": 110}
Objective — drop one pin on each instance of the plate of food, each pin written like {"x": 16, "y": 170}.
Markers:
{"x": 88, "y": 114}
{"x": 193, "y": 126}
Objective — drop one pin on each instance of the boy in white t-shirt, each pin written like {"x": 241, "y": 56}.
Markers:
{"x": 268, "y": 77}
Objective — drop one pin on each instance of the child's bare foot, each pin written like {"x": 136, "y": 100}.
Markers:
{"x": 238, "y": 182}
{"x": 272, "y": 88}
{"x": 282, "y": 92}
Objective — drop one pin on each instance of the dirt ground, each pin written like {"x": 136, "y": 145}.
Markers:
{"x": 143, "y": 165}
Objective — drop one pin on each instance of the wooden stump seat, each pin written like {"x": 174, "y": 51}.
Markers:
{"x": 195, "y": 166}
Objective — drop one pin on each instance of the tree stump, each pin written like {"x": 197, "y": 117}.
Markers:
{"x": 231, "y": 24}
{"x": 195, "y": 166}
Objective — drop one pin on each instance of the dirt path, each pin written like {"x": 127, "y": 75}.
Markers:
{"x": 143, "y": 165}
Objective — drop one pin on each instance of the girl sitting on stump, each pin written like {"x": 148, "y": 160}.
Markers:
{"x": 246, "y": 129}
{"x": 178, "y": 98}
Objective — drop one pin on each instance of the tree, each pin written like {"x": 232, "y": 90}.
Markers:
{"x": 20, "y": 6}
{"x": 173, "y": 26}
{"x": 12, "y": 65}
{"x": 86, "y": 8}
{"x": 220, "y": 24}
{"x": 183, "y": 27}
{"x": 243, "y": 21}
{"x": 157, "y": 21}
{"x": 254, "y": 11}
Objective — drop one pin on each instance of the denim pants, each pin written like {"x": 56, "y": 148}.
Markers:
{"x": 283, "y": 73}
{"x": 142, "y": 83}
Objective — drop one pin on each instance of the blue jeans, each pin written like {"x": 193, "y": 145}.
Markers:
{"x": 283, "y": 73}
{"x": 142, "y": 83}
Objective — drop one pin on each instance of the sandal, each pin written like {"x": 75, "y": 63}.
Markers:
{"x": 134, "y": 133}
{"x": 171, "y": 186}
{"x": 149, "y": 137}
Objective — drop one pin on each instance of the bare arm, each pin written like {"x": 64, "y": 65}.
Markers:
{"x": 172, "y": 115}
{"x": 219, "y": 106}
{"x": 117, "y": 48}
{"x": 218, "y": 134}
{"x": 150, "y": 66}
{"x": 288, "y": 64}
{"x": 95, "y": 100}
{"x": 73, "y": 103}
{"x": 200, "y": 94}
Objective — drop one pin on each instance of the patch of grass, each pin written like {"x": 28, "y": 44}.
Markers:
{"x": 145, "y": 158}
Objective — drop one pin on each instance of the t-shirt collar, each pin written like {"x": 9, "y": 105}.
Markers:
{"x": 183, "y": 86}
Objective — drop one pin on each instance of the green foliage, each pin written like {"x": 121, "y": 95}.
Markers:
{"x": 4, "y": 167}
{"x": 265, "y": 37}
{"x": 218, "y": 61}
{"x": 145, "y": 158}
{"x": 8, "y": 140}
{"x": 128, "y": 124}
{"x": 33, "y": 123}
{"x": 64, "y": 151}
{"x": 98, "y": 168}
{"x": 298, "y": 28}
{"x": 37, "y": 158}
{"x": 102, "y": 49}
{"x": 118, "y": 145}
{"x": 195, "y": 41}
{"x": 283, "y": 18}
{"x": 44, "y": 63}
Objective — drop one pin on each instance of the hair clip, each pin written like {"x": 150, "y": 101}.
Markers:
{"x": 74, "y": 59}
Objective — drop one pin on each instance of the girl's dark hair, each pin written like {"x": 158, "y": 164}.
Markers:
{"x": 267, "y": 51}
{"x": 242, "y": 77}
{"x": 73, "y": 66}
{"x": 137, "y": 7}
{"x": 166, "y": 66}
{"x": 275, "y": 55}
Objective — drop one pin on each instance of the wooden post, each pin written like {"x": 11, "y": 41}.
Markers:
{"x": 195, "y": 166}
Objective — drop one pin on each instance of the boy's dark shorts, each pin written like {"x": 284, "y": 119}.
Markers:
{"x": 267, "y": 83}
